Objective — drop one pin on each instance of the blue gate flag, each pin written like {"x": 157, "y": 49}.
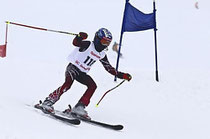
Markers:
{"x": 135, "y": 20}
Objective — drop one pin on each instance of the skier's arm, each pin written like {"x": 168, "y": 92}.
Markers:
{"x": 113, "y": 71}
{"x": 79, "y": 41}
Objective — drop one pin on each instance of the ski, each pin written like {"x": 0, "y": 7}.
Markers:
{"x": 97, "y": 123}
{"x": 74, "y": 121}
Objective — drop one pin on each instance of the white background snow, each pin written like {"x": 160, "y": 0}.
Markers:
{"x": 177, "y": 107}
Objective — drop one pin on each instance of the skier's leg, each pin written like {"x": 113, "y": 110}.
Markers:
{"x": 70, "y": 74}
{"x": 91, "y": 87}
{"x": 79, "y": 108}
{"x": 55, "y": 95}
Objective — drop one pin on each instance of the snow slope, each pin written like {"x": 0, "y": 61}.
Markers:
{"x": 178, "y": 107}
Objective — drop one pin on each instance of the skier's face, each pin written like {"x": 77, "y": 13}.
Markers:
{"x": 100, "y": 44}
{"x": 105, "y": 42}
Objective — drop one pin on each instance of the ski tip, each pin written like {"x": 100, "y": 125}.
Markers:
{"x": 77, "y": 122}
{"x": 97, "y": 105}
{"x": 37, "y": 106}
{"x": 118, "y": 127}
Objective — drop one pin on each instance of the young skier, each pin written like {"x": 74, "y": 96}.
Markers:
{"x": 85, "y": 54}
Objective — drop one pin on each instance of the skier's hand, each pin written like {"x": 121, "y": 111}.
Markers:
{"x": 127, "y": 76}
{"x": 83, "y": 35}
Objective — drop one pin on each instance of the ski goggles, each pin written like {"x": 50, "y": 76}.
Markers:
{"x": 105, "y": 41}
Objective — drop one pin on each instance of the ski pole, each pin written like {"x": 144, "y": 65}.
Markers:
{"x": 108, "y": 92}
{"x": 39, "y": 28}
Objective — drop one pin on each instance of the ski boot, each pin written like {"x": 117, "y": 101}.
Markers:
{"x": 80, "y": 112}
{"x": 47, "y": 106}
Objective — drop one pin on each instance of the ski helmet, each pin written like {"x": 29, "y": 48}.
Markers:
{"x": 102, "y": 39}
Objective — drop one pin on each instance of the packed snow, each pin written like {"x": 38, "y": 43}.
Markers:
{"x": 176, "y": 107}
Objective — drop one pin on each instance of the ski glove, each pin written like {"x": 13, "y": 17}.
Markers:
{"x": 83, "y": 35}
{"x": 127, "y": 76}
